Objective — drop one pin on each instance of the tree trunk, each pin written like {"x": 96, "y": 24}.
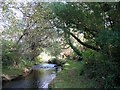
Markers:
{"x": 71, "y": 45}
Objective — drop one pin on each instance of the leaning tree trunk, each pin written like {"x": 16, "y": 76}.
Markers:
{"x": 67, "y": 37}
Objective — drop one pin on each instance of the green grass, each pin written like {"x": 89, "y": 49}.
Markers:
{"x": 12, "y": 71}
{"x": 70, "y": 77}
{"x": 18, "y": 70}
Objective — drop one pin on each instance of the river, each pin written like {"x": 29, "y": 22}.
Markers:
{"x": 40, "y": 77}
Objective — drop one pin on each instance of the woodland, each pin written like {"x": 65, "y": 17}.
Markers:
{"x": 85, "y": 35}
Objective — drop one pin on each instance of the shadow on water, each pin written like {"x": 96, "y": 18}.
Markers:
{"x": 40, "y": 77}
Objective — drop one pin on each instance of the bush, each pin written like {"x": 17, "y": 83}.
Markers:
{"x": 25, "y": 63}
{"x": 109, "y": 42}
{"x": 101, "y": 68}
{"x": 10, "y": 54}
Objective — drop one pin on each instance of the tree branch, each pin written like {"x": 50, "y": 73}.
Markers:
{"x": 24, "y": 33}
{"x": 84, "y": 44}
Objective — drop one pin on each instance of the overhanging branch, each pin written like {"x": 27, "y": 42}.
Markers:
{"x": 84, "y": 44}
{"x": 24, "y": 33}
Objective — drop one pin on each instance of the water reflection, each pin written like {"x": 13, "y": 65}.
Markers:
{"x": 39, "y": 78}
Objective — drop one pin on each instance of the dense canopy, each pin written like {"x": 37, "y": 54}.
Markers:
{"x": 79, "y": 31}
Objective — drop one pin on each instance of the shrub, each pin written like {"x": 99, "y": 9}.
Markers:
{"x": 25, "y": 63}
{"x": 101, "y": 68}
{"x": 10, "y": 54}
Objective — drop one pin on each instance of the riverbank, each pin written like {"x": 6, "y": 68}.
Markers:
{"x": 70, "y": 77}
{"x": 40, "y": 77}
{"x": 12, "y": 73}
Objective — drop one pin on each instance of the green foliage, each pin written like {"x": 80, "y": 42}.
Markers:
{"x": 100, "y": 25}
{"x": 12, "y": 71}
{"x": 101, "y": 68}
{"x": 55, "y": 49}
{"x": 109, "y": 42}
{"x": 15, "y": 71}
{"x": 37, "y": 60}
{"x": 10, "y": 55}
{"x": 57, "y": 61}
{"x": 25, "y": 64}
{"x": 98, "y": 22}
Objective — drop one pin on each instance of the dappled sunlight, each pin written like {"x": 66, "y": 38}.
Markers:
{"x": 44, "y": 57}
{"x": 67, "y": 64}
{"x": 66, "y": 68}
{"x": 76, "y": 39}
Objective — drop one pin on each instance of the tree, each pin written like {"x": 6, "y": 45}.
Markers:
{"x": 31, "y": 33}
{"x": 87, "y": 18}
{"x": 99, "y": 23}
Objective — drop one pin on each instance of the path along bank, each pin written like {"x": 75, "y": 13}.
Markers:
{"x": 70, "y": 77}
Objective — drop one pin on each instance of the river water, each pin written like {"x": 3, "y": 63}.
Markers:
{"x": 40, "y": 77}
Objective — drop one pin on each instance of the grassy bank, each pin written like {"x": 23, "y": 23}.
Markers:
{"x": 70, "y": 77}
{"x": 10, "y": 72}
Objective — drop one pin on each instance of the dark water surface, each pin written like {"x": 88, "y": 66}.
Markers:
{"x": 40, "y": 77}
